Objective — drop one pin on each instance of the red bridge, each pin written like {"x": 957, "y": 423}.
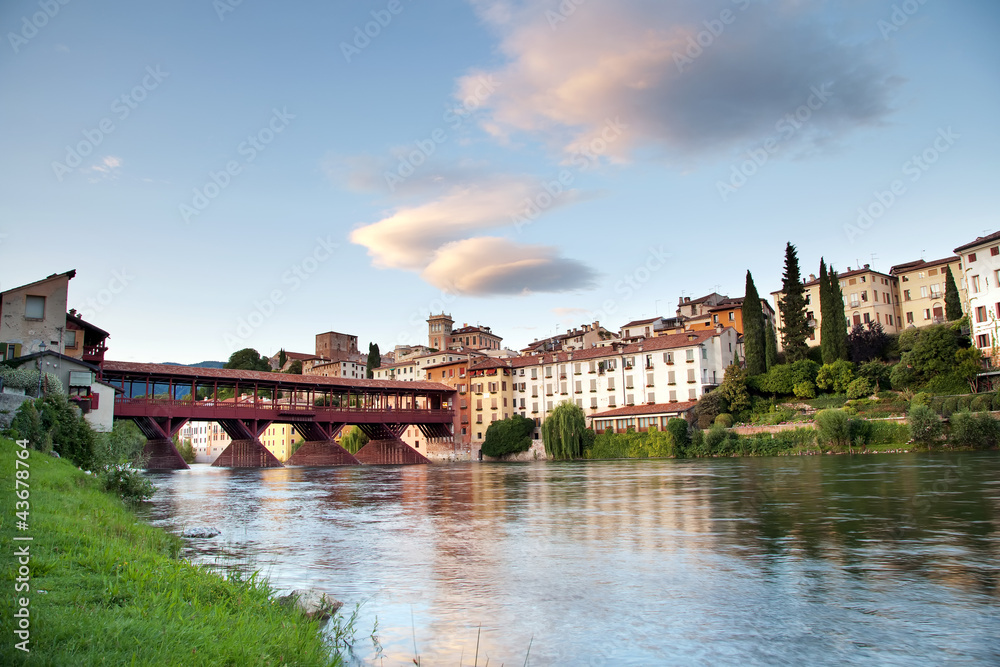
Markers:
{"x": 161, "y": 398}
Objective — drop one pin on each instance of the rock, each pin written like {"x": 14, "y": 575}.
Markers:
{"x": 204, "y": 531}
{"x": 312, "y": 603}
{"x": 54, "y": 454}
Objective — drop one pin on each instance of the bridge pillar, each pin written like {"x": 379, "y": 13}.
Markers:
{"x": 246, "y": 454}
{"x": 161, "y": 454}
{"x": 389, "y": 452}
{"x": 321, "y": 453}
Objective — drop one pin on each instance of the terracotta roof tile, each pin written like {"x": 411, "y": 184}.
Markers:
{"x": 655, "y": 409}
{"x": 995, "y": 236}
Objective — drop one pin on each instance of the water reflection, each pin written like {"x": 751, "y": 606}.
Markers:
{"x": 819, "y": 560}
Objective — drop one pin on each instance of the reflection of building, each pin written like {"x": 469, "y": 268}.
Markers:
{"x": 981, "y": 259}
{"x": 922, "y": 288}
{"x": 869, "y": 296}
{"x": 208, "y": 440}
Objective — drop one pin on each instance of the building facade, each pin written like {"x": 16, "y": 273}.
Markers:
{"x": 981, "y": 279}
{"x": 922, "y": 289}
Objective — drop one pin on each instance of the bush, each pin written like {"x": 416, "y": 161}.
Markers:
{"x": 508, "y": 436}
{"x": 922, "y": 398}
{"x": 127, "y": 483}
{"x": 925, "y": 425}
{"x": 833, "y": 428}
{"x": 804, "y": 390}
{"x": 859, "y": 388}
{"x": 888, "y": 433}
{"x": 996, "y": 401}
{"x": 978, "y": 431}
{"x": 631, "y": 445}
{"x": 836, "y": 376}
{"x": 949, "y": 406}
{"x": 877, "y": 372}
{"x": 678, "y": 429}
{"x": 709, "y": 407}
{"x": 981, "y": 403}
{"x": 725, "y": 420}
{"x": 947, "y": 383}
{"x": 964, "y": 402}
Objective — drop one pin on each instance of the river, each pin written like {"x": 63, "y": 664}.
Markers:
{"x": 818, "y": 560}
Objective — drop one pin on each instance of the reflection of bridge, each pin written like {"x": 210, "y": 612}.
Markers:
{"x": 160, "y": 399}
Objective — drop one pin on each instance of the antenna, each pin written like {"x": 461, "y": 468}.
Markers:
{"x": 874, "y": 257}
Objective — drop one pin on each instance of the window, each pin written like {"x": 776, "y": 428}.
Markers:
{"x": 972, "y": 257}
{"x": 975, "y": 284}
{"x": 34, "y": 307}
{"x": 927, "y": 313}
{"x": 983, "y": 341}
{"x": 69, "y": 339}
{"x": 593, "y": 401}
{"x": 923, "y": 292}
{"x": 670, "y": 378}
{"x": 732, "y": 316}
{"x": 690, "y": 355}
{"x": 874, "y": 295}
{"x": 864, "y": 295}
{"x": 673, "y": 396}
{"x": 628, "y": 381}
{"x": 994, "y": 251}
{"x": 867, "y": 318}
{"x": 692, "y": 394}
{"x": 691, "y": 375}
{"x": 668, "y": 357}
{"x": 936, "y": 290}
{"x": 649, "y": 379}
{"x": 593, "y": 385}
{"x": 630, "y": 399}
{"x": 715, "y": 319}
{"x": 611, "y": 383}
{"x": 906, "y": 295}
{"x": 981, "y": 314}
{"x": 651, "y": 398}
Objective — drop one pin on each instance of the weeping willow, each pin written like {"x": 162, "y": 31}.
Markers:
{"x": 562, "y": 432}
{"x": 353, "y": 439}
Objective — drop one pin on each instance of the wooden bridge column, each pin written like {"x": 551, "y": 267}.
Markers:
{"x": 246, "y": 450}
{"x": 159, "y": 450}
{"x": 320, "y": 448}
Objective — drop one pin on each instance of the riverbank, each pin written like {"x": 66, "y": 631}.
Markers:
{"x": 105, "y": 588}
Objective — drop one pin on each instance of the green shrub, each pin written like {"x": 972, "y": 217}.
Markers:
{"x": 947, "y": 383}
{"x": 877, "y": 372}
{"x": 949, "y": 406}
{"x": 922, "y": 398}
{"x": 631, "y": 445}
{"x": 678, "y": 429}
{"x": 981, "y": 403}
{"x": 925, "y": 425}
{"x": 804, "y": 389}
{"x": 965, "y": 402}
{"x": 827, "y": 401}
{"x": 996, "y": 401}
{"x": 859, "y": 388}
{"x": 978, "y": 431}
{"x": 508, "y": 436}
{"x": 836, "y": 376}
{"x": 709, "y": 407}
{"x": 724, "y": 420}
{"x": 888, "y": 433}
{"x": 833, "y": 428}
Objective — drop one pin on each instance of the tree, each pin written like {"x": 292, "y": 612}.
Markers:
{"x": 829, "y": 321}
{"x": 295, "y": 368}
{"x": 771, "y": 348}
{"x": 563, "y": 431}
{"x": 795, "y": 327}
{"x": 839, "y": 333}
{"x": 952, "y": 301}
{"x": 508, "y": 436}
{"x": 968, "y": 366}
{"x": 353, "y": 439}
{"x": 867, "y": 343}
{"x": 374, "y": 360}
{"x": 754, "y": 339}
{"x": 734, "y": 388}
{"x": 248, "y": 359}
{"x": 678, "y": 428}
{"x": 282, "y": 358}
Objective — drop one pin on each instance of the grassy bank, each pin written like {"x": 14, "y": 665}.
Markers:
{"x": 106, "y": 589}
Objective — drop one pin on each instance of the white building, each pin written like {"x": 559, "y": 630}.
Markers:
{"x": 981, "y": 279}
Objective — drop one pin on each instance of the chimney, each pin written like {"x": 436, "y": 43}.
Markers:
{"x": 867, "y": 265}
{"x": 812, "y": 277}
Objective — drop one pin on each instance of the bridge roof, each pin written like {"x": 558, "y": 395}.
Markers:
{"x": 192, "y": 373}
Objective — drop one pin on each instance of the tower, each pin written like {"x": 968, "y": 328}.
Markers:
{"x": 439, "y": 331}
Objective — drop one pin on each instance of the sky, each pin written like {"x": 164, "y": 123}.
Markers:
{"x": 237, "y": 173}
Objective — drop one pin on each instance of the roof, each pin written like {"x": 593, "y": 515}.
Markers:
{"x": 69, "y": 276}
{"x": 50, "y": 353}
{"x": 465, "y": 330}
{"x": 635, "y": 323}
{"x": 846, "y": 274}
{"x": 299, "y": 356}
{"x": 79, "y": 321}
{"x": 655, "y": 409}
{"x": 995, "y": 236}
{"x": 921, "y": 264}
{"x": 337, "y": 333}
{"x": 165, "y": 370}
{"x": 736, "y": 302}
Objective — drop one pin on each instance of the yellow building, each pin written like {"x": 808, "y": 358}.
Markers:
{"x": 922, "y": 288}
{"x": 279, "y": 438}
{"x": 491, "y": 394}
{"x": 869, "y": 296}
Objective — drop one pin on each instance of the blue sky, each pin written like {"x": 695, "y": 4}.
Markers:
{"x": 255, "y": 173}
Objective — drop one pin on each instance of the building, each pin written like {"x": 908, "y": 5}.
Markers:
{"x": 343, "y": 368}
{"x": 641, "y": 418}
{"x": 922, "y": 289}
{"x": 441, "y": 335}
{"x": 290, "y": 358}
{"x": 728, "y": 312}
{"x": 80, "y": 380}
{"x": 491, "y": 395}
{"x": 411, "y": 368}
{"x": 688, "y": 308}
{"x": 336, "y": 346}
{"x": 869, "y": 296}
{"x": 585, "y": 336}
{"x": 279, "y": 439}
{"x": 981, "y": 280}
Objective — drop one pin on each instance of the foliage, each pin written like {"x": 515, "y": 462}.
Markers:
{"x": 781, "y": 379}
{"x": 374, "y": 360}
{"x": 185, "y": 449}
{"x": 978, "y": 431}
{"x": 859, "y": 388}
{"x": 282, "y": 358}
{"x": 925, "y": 425}
{"x": 771, "y": 345}
{"x": 928, "y": 354}
{"x": 947, "y": 384}
{"x": 876, "y": 372}
{"x": 804, "y": 389}
{"x": 295, "y": 368}
{"x": 631, "y": 445}
{"x": 838, "y": 430}
{"x": 831, "y": 314}
{"x": 840, "y": 331}
{"x": 836, "y": 376}
{"x": 562, "y": 431}
{"x": 353, "y": 439}
{"x": 725, "y": 420}
{"x": 795, "y": 327}
{"x": 754, "y": 342}
{"x": 678, "y": 430}
{"x": 27, "y": 424}
{"x": 248, "y": 359}
{"x": 734, "y": 388}
{"x": 508, "y": 436}
{"x": 952, "y": 300}
{"x": 27, "y": 379}
{"x": 867, "y": 342}
{"x": 968, "y": 365}
{"x": 709, "y": 407}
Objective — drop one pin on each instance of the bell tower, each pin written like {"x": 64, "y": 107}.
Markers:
{"x": 439, "y": 331}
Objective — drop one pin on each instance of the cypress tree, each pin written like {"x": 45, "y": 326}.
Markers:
{"x": 839, "y": 333}
{"x": 952, "y": 301}
{"x": 771, "y": 347}
{"x": 374, "y": 360}
{"x": 828, "y": 320}
{"x": 795, "y": 327}
{"x": 754, "y": 344}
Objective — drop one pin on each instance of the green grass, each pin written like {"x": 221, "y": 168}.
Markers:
{"x": 116, "y": 594}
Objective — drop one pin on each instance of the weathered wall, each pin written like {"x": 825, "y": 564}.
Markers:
{"x": 9, "y": 403}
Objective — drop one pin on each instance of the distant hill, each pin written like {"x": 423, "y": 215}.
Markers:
{"x": 200, "y": 364}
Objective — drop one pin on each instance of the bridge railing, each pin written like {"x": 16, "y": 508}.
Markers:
{"x": 228, "y": 409}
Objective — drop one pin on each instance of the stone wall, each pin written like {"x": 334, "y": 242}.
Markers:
{"x": 9, "y": 403}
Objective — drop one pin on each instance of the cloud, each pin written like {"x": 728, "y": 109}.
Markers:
{"x": 497, "y": 266}
{"x": 567, "y": 76}
{"x": 438, "y": 239}
{"x": 107, "y": 167}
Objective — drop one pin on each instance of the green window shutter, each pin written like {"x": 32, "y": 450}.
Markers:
{"x": 3, "y": 351}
